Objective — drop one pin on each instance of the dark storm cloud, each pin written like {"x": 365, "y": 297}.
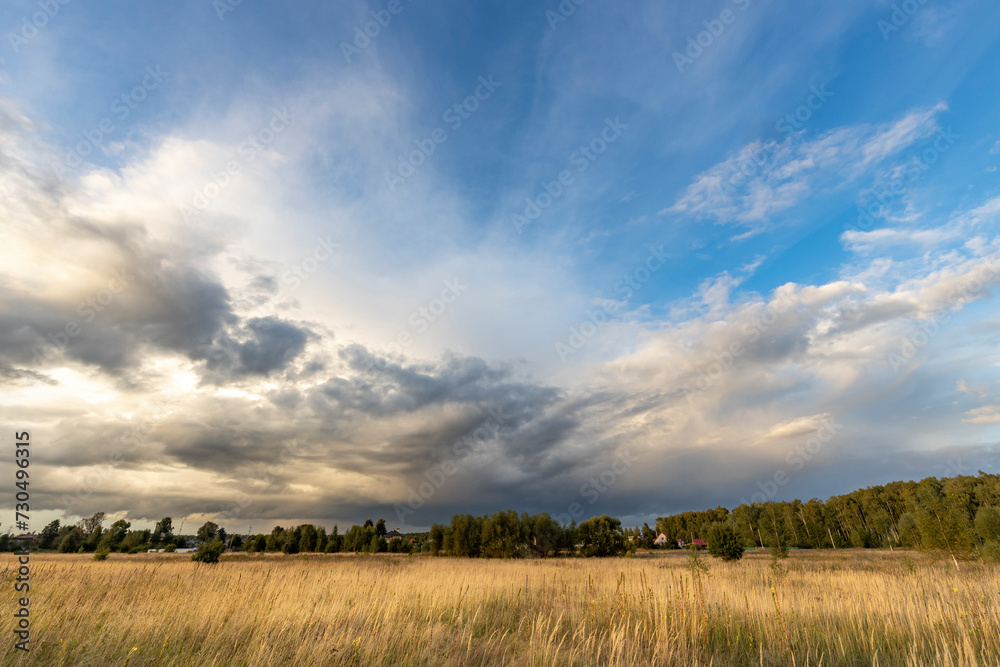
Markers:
{"x": 269, "y": 344}
{"x": 386, "y": 387}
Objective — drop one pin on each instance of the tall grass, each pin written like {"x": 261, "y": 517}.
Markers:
{"x": 829, "y": 608}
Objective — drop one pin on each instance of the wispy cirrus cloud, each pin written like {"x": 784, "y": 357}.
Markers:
{"x": 766, "y": 178}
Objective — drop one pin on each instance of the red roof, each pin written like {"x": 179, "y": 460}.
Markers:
{"x": 700, "y": 542}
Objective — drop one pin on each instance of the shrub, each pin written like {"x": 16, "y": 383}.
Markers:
{"x": 209, "y": 552}
{"x": 170, "y": 548}
{"x": 723, "y": 542}
{"x": 100, "y": 554}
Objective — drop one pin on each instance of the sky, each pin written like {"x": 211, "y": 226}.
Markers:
{"x": 274, "y": 263}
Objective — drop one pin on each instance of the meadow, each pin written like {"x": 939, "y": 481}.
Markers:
{"x": 843, "y": 607}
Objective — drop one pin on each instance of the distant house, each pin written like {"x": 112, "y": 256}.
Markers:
{"x": 24, "y": 541}
{"x": 661, "y": 540}
{"x": 698, "y": 542}
{"x": 391, "y": 534}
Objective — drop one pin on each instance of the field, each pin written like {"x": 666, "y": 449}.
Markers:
{"x": 830, "y": 608}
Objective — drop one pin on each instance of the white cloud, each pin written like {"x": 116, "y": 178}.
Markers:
{"x": 766, "y": 178}
{"x": 988, "y": 414}
{"x": 962, "y": 226}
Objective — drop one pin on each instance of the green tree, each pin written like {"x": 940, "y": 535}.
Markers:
{"x": 309, "y": 539}
{"x": 909, "y": 531}
{"x": 47, "y": 538}
{"x": 436, "y": 538}
{"x": 943, "y": 525}
{"x": 208, "y": 532}
{"x": 724, "y": 543}
{"x": 164, "y": 530}
{"x": 87, "y": 526}
{"x": 377, "y": 544}
{"x": 380, "y": 528}
{"x": 774, "y": 527}
{"x": 93, "y": 540}
{"x": 354, "y": 539}
{"x": 70, "y": 543}
{"x": 646, "y": 537}
{"x": 276, "y": 540}
{"x": 333, "y": 541}
{"x": 544, "y": 534}
{"x": 116, "y": 533}
{"x": 134, "y": 541}
{"x": 501, "y": 535}
{"x": 601, "y": 536}
{"x": 988, "y": 524}
{"x": 293, "y": 538}
{"x": 465, "y": 534}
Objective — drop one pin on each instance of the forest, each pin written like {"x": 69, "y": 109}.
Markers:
{"x": 957, "y": 515}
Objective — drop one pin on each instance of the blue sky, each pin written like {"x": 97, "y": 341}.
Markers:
{"x": 244, "y": 163}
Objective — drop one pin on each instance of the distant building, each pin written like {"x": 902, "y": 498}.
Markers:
{"x": 391, "y": 534}
{"x": 661, "y": 540}
{"x": 698, "y": 542}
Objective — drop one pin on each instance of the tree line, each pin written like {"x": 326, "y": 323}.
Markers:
{"x": 501, "y": 535}
{"x": 89, "y": 536}
{"x": 958, "y": 515}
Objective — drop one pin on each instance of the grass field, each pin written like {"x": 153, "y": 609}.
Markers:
{"x": 829, "y": 608}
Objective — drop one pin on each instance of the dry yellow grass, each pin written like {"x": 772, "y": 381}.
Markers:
{"x": 831, "y": 608}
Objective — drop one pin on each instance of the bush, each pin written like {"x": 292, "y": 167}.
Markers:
{"x": 209, "y": 552}
{"x": 170, "y": 548}
{"x": 723, "y": 542}
{"x": 100, "y": 555}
